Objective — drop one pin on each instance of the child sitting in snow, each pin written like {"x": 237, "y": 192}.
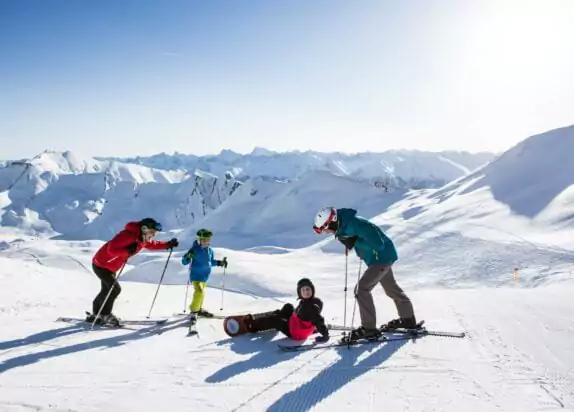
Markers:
{"x": 296, "y": 323}
{"x": 202, "y": 258}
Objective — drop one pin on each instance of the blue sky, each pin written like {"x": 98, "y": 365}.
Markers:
{"x": 141, "y": 77}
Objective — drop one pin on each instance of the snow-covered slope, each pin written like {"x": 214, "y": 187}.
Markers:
{"x": 517, "y": 356}
{"x": 515, "y": 213}
{"x": 267, "y": 212}
{"x": 82, "y": 198}
{"x": 403, "y": 168}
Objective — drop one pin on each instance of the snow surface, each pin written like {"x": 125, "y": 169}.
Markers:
{"x": 518, "y": 355}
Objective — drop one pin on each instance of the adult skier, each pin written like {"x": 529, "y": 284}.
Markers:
{"x": 113, "y": 255}
{"x": 297, "y": 323}
{"x": 379, "y": 254}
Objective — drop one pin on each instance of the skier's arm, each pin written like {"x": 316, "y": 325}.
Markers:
{"x": 160, "y": 245}
{"x": 321, "y": 327}
{"x": 213, "y": 261}
{"x": 155, "y": 245}
{"x": 186, "y": 259}
{"x": 318, "y": 321}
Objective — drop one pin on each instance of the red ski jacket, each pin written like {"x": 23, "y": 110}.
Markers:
{"x": 113, "y": 254}
{"x": 300, "y": 329}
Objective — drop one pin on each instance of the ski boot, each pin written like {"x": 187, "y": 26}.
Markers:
{"x": 111, "y": 320}
{"x": 193, "y": 318}
{"x": 400, "y": 323}
{"x": 204, "y": 314}
{"x": 91, "y": 317}
{"x": 362, "y": 333}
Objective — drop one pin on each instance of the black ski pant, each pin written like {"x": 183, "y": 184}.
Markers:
{"x": 108, "y": 278}
{"x": 278, "y": 320}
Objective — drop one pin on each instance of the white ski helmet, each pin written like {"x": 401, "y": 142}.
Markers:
{"x": 323, "y": 218}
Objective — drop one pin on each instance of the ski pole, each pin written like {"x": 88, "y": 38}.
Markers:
{"x": 355, "y": 303}
{"x": 108, "y": 296}
{"x": 159, "y": 283}
{"x": 185, "y": 300}
{"x": 346, "y": 278}
{"x": 222, "y": 287}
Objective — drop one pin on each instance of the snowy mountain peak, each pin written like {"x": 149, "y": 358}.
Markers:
{"x": 405, "y": 168}
{"x": 261, "y": 151}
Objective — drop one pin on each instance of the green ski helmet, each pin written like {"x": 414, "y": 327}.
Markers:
{"x": 204, "y": 234}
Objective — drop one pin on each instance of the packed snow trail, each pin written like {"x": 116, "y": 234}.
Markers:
{"x": 518, "y": 355}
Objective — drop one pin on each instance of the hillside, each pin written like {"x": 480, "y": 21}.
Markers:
{"x": 82, "y": 198}
{"x": 76, "y": 198}
{"x": 266, "y": 212}
{"x": 401, "y": 168}
{"x": 516, "y": 212}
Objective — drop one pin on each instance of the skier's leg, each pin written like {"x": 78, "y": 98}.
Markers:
{"x": 276, "y": 319}
{"x": 107, "y": 279}
{"x": 286, "y": 311}
{"x": 402, "y": 301}
{"x": 366, "y": 283}
{"x": 283, "y": 327}
{"x": 198, "y": 296}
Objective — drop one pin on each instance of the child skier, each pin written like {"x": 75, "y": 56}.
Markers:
{"x": 296, "y": 323}
{"x": 202, "y": 258}
{"x": 113, "y": 255}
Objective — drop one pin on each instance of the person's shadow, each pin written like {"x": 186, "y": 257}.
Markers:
{"x": 337, "y": 375}
{"x": 110, "y": 342}
{"x": 40, "y": 337}
{"x": 258, "y": 344}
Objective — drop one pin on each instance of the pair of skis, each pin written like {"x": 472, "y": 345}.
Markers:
{"x": 403, "y": 333}
{"x": 124, "y": 323}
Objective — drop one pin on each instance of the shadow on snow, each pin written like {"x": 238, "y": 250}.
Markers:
{"x": 110, "y": 342}
{"x": 258, "y": 344}
{"x": 334, "y": 377}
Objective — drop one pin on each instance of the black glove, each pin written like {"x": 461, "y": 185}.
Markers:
{"x": 132, "y": 248}
{"x": 349, "y": 242}
{"x": 222, "y": 262}
{"x": 172, "y": 243}
{"x": 322, "y": 329}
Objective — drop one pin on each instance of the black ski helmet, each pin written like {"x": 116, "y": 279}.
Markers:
{"x": 305, "y": 282}
{"x": 151, "y": 224}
